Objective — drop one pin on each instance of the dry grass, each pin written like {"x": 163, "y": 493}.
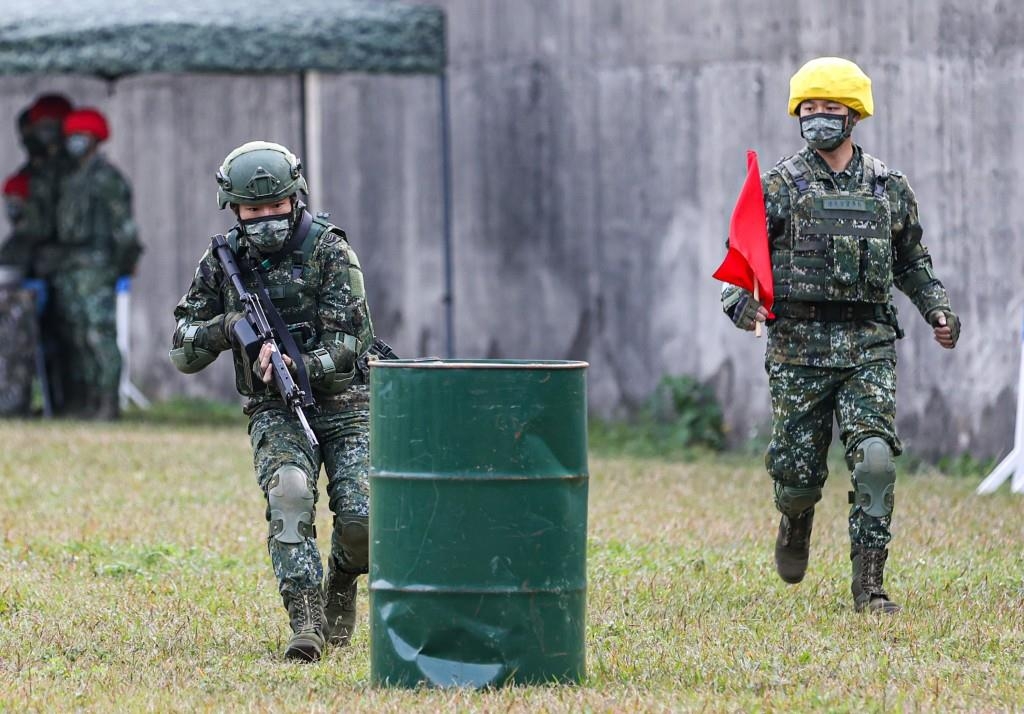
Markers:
{"x": 133, "y": 577}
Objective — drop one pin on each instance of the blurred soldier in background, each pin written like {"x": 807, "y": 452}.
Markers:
{"x": 30, "y": 216}
{"x": 843, "y": 229}
{"x": 15, "y": 250}
{"x": 96, "y": 241}
{"x": 314, "y": 281}
{"x": 17, "y": 307}
{"x": 34, "y": 220}
{"x": 35, "y": 238}
{"x": 47, "y": 165}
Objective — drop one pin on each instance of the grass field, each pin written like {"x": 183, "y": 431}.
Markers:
{"x": 134, "y": 577}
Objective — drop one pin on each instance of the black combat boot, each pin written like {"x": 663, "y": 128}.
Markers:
{"x": 339, "y": 606}
{"x": 306, "y": 613}
{"x": 868, "y": 574}
{"x": 793, "y": 546}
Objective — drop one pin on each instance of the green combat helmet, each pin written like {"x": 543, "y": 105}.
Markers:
{"x": 259, "y": 172}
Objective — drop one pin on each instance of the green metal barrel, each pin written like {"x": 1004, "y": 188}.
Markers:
{"x": 478, "y": 522}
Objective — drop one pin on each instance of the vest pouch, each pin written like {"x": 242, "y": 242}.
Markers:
{"x": 845, "y": 259}
{"x": 878, "y": 265}
{"x": 285, "y": 297}
{"x": 304, "y": 335}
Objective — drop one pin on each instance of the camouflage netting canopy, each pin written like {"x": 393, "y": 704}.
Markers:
{"x": 112, "y": 38}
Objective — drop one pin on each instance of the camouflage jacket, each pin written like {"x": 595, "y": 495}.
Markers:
{"x": 94, "y": 221}
{"x": 33, "y": 239}
{"x": 319, "y": 294}
{"x": 16, "y": 248}
{"x": 848, "y": 344}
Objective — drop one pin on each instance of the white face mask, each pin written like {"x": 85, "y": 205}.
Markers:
{"x": 269, "y": 233}
{"x": 78, "y": 145}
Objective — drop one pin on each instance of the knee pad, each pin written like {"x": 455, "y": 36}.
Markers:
{"x": 351, "y": 541}
{"x": 291, "y": 505}
{"x": 874, "y": 477}
{"x": 794, "y": 501}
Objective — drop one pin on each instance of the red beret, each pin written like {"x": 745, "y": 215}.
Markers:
{"x": 86, "y": 121}
{"x": 17, "y": 185}
{"x": 49, "y": 106}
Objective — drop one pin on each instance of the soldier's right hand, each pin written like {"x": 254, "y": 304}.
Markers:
{"x": 748, "y": 312}
{"x": 946, "y": 327}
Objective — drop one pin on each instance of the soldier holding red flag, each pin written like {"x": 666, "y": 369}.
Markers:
{"x": 842, "y": 230}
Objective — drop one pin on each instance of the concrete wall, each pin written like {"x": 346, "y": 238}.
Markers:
{"x": 598, "y": 147}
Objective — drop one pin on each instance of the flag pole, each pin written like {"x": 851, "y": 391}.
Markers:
{"x": 757, "y": 298}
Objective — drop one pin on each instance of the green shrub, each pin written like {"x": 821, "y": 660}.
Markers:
{"x": 680, "y": 419}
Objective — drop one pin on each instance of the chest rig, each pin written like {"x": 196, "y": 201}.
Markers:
{"x": 837, "y": 246}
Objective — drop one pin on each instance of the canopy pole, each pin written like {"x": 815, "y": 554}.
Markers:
{"x": 446, "y": 188}
{"x": 312, "y": 135}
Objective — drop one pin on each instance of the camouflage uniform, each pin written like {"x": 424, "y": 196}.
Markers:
{"x": 16, "y": 250}
{"x": 845, "y": 364}
{"x": 96, "y": 242}
{"x": 319, "y": 294}
{"x": 17, "y": 348}
{"x": 31, "y": 244}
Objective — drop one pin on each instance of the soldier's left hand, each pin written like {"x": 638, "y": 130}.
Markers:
{"x": 946, "y": 328}
{"x": 263, "y": 367}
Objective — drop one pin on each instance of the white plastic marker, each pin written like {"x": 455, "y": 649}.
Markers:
{"x": 127, "y": 392}
{"x": 1013, "y": 465}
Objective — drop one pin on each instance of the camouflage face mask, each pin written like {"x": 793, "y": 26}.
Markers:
{"x": 269, "y": 233}
{"x": 823, "y": 131}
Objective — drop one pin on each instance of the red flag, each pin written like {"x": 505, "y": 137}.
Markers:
{"x": 748, "y": 259}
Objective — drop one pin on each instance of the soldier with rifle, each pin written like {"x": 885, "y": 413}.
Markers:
{"x": 283, "y": 291}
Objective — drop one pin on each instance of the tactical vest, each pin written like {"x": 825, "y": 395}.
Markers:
{"x": 838, "y": 244}
{"x": 293, "y": 283}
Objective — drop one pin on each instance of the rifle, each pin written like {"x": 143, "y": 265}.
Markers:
{"x": 254, "y": 330}
{"x": 382, "y": 350}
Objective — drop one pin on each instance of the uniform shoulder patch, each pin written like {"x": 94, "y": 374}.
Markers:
{"x": 332, "y": 236}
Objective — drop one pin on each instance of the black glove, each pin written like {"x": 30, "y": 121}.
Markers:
{"x": 744, "y": 312}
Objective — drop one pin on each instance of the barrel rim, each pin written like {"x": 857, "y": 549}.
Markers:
{"x": 475, "y": 476}
{"x": 496, "y": 364}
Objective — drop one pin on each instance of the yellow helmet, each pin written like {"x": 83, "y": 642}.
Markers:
{"x": 832, "y": 78}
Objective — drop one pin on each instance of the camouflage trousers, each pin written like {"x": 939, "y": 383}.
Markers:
{"x": 17, "y": 349}
{"x": 80, "y": 333}
{"x": 804, "y": 400}
{"x": 277, "y": 440}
